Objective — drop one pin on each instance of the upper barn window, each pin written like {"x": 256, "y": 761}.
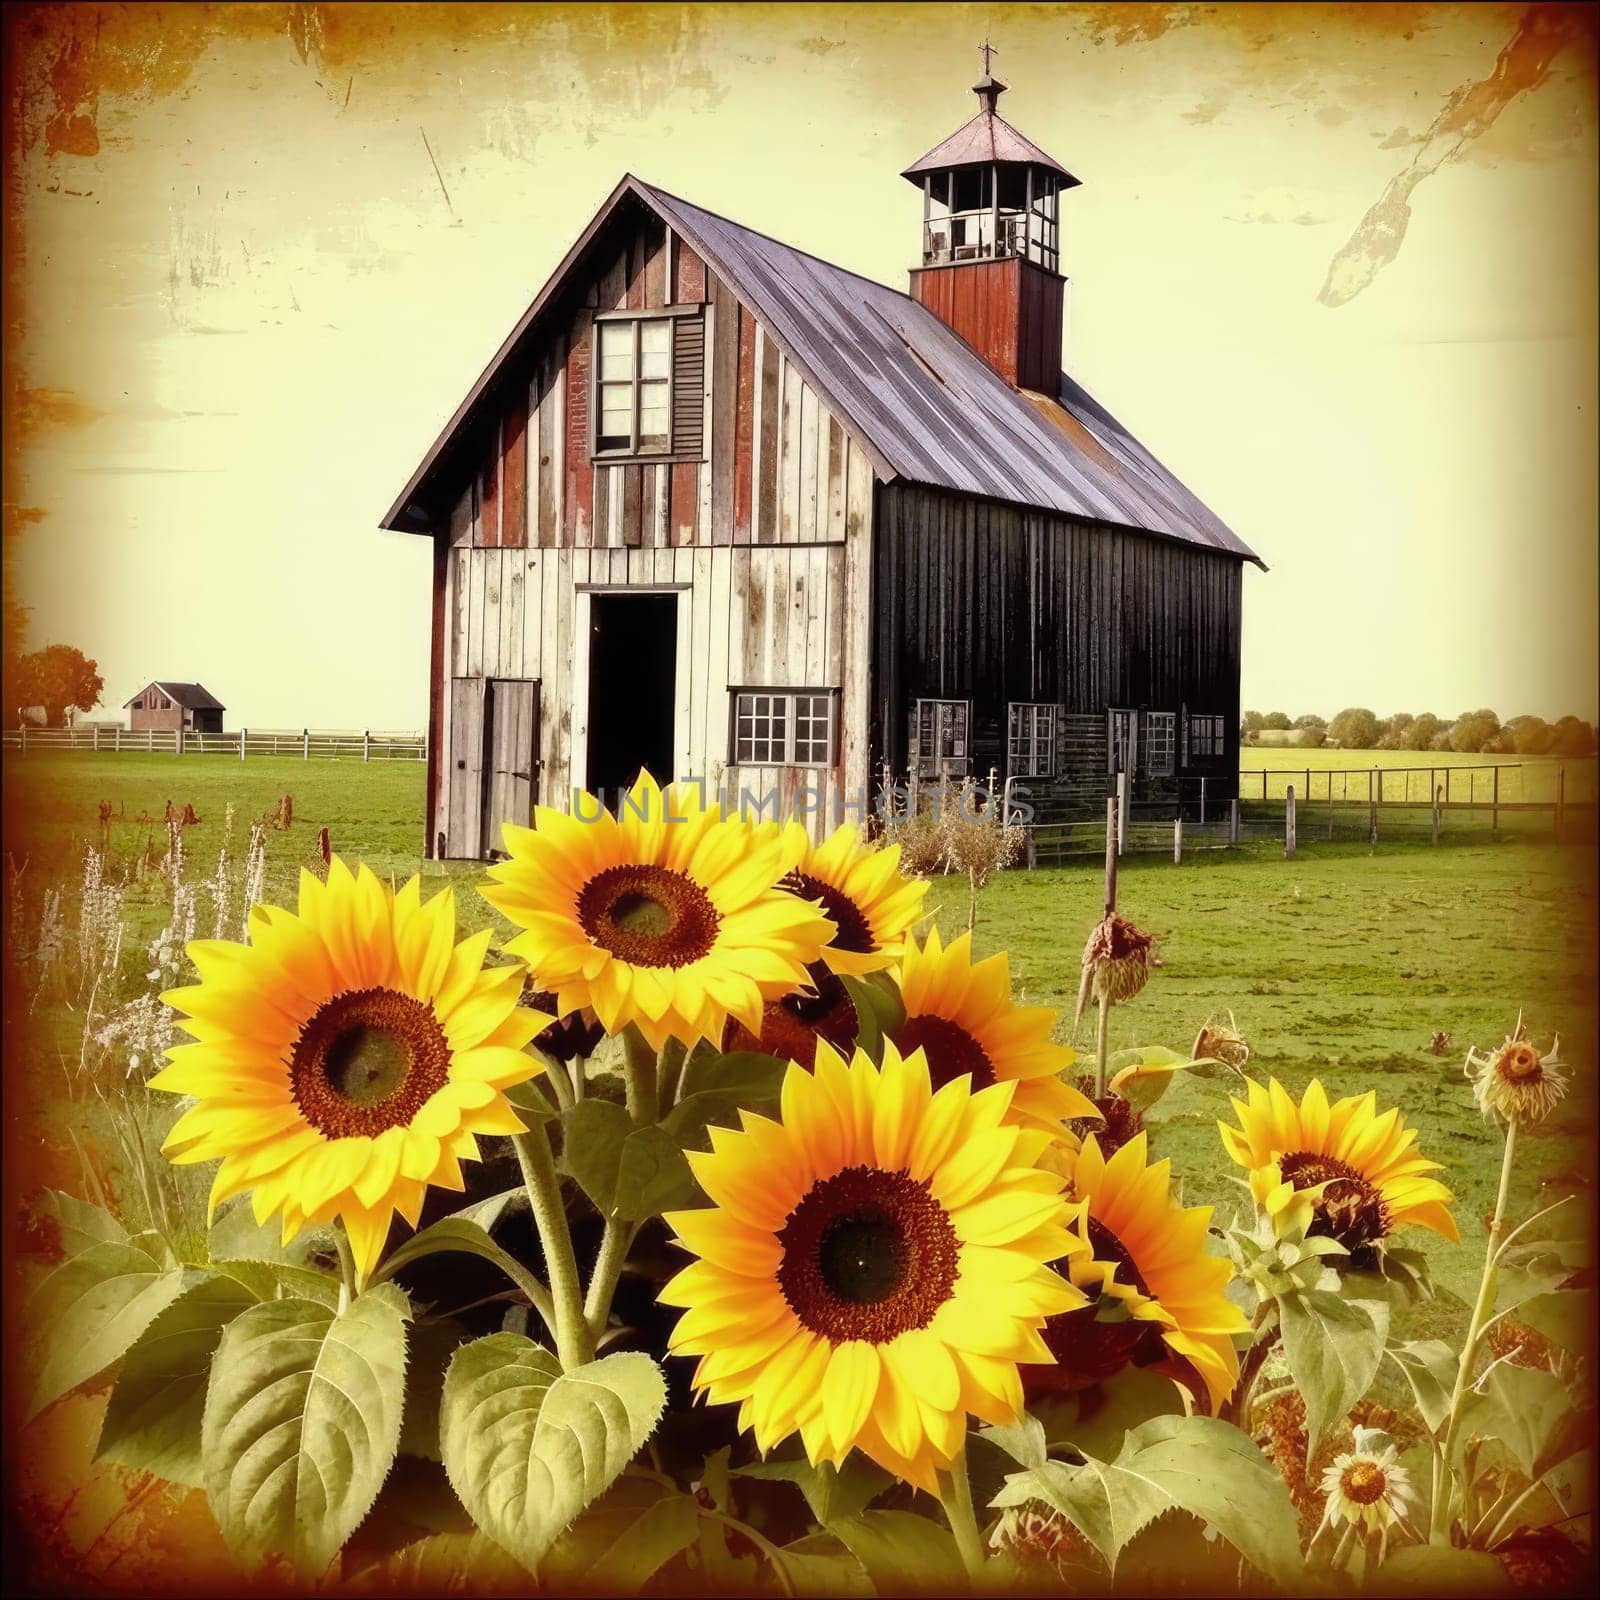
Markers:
{"x": 649, "y": 385}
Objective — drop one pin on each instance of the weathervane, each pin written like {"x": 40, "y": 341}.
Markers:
{"x": 988, "y": 50}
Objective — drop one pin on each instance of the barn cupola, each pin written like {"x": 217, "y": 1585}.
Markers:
{"x": 991, "y": 241}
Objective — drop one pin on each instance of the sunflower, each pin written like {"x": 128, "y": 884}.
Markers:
{"x": 1370, "y": 1181}
{"x": 872, "y": 1266}
{"x": 959, "y": 1014}
{"x": 347, "y": 1057}
{"x": 1367, "y": 1486}
{"x": 791, "y": 1027}
{"x": 1144, "y": 1250}
{"x": 872, "y": 906}
{"x": 1515, "y": 1083}
{"x": 668, "y": 919}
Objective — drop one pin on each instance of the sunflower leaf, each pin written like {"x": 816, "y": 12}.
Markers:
{"x": 1437, "y": 1569}
{"x": 1143, "y": 1074}
{"x": 92, "y": 1307}
{"x": 528, "y": 1447}
{"x": 620, "y": 1542}
{"x": 879, "y": 1010}
{"x": 79, "y": 1223}
{"x": 154, "y": 1416}
{"x": 902, "y": 1552}
{"x": 1333, "y": 1347}
{"x": 715, "y": 1090}
{"x": 1199, "y": 1464}
{"x": 831, "y": 1492}
{"x": 1531, "y": 1412}
{"x": 1430, "y": 1368}
{"x": 302, "y": 1420}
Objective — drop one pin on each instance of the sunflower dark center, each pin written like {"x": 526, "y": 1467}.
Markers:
{"x": 1363, "y": 1482}
{"x": 1108, "y": 1247}
{"x": 1520, "y": 1063}
{"x": 855, "y": 932}
{"x": 369, "y": 1060}
{"x": 950, "y": 1049}
{"x": 867, "y": 1254}
{"x": 1351, "y": 1209}
{"x": 648, "y": 915}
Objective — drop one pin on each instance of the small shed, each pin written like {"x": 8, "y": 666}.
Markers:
{"x": 165, "y": 705}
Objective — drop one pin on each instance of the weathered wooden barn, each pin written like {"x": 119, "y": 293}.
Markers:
{"x": 727, "y": 511}
{"x": 164, "y": 705}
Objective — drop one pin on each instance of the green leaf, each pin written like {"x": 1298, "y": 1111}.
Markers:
{"x": 1095, "y": 1421}
{"x": 716, "y": 1088}
{"x": 1024, "y": 1441}
{"x": 822, "y": 1565}
{"x": 628, "y": 1172}
{"x": 302, "y": 1419}
{"x": 154, "y": 1416}
{"x": 527, "y": 1446}
{"x": 902, "y": 1552}
{"x": 1530, "y": 1411}
{"x": 1430, "y": 1367}
{"x": 1201, "y": 1465}
{"x": 1142, "y": 1075}
{"x": 92, "y": 1307}
{"x": 414, "y": 1505}
{"x": 1333, "y": 1347}
{"x": 623, "y": 1539}
{"x": 594, "y": 1132}
{"x": 433, "y": 1343}
{"x": 81, "y": 1224}
{"x": 531, "y": 1103}
{"x": 456, "y": 1233}
{"x": 254, "y": 1253}
{"x": 831, "y": 1492}
{"x": 880, "y": 1010}
{"x": 1425, "y": 1569}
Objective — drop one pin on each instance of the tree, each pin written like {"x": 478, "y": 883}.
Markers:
{"x": 57, "y": 677}
{"x": 1275, "y": 721}
{"x": 1250, "y": 726}
{"x": 1441, "y": 739}
{"x": 1395, "y": 730}
{"x": 1313, "y": 731}
{"x": 1473, "y": 729}
{"x": 1422, "y": 731}
{"x": 1355, "y": 728}
{"x": 1571, "y": 736}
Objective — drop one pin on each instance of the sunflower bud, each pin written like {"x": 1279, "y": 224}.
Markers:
{"x": 1222, "y": 1041}
{"x": 1515, "y": 1083}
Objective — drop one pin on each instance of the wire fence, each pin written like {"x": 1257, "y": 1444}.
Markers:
{"x": 307, "y": 743}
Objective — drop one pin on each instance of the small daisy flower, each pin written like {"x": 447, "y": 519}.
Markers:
{"x": 1515, "y": 1083}
{"x": 1366, "y": 1486}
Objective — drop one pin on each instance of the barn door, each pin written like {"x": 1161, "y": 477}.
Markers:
{"x": 510, "y": 738}
{"x": 464, "y": 827}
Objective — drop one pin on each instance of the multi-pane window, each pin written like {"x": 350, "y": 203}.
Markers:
{"x": 1122, "y": 741}
{"x": 633, "y": 387}
{"x": 783, "y": 727}
{"x": 939, "y": 737}
{"x": 1160, "y": 737}
{"x": 1031, "y": 740}
{"x": 1206, "y": 737}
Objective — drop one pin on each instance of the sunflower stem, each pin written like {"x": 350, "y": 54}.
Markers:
{"x": 608, "y": 1264}
{"x": 669, "y": 1073}
{"x": 1239, "y": 1408}
{"x": 1443, "y": 1475}
{"x": 347, "y": 1270}
{"x": 639, "y": 1076}
{"x": 959, "y": 1514}
{"x": 574, "y": 1348}
{"x": 1102, "y": 1040}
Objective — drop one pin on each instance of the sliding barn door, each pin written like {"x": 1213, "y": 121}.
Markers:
{"x": 510, "y": 745}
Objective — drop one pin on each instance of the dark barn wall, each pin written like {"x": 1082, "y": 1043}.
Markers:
{"x": 992, "y": 603}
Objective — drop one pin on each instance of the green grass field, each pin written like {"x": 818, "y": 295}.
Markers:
{"x": 1470, "y": 777}
{"x": 1342, "y": 963}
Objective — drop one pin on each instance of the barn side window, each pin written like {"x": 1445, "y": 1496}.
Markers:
{"x": 649, "y": 385}
{"x": 1205, "y": 737}
{"x": 938, "y": 743}
{"x": 784, "y": 727}
{"x": 1031, "y": 740}
{"x": 1160, "y": 737}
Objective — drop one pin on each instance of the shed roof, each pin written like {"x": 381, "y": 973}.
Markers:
{"x": 191, "y": 696}
{"x": 922, "y": 403}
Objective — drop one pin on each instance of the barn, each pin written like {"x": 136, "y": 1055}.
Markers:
{"x": 162, "y": 704}
{"x": 721, "y": 509}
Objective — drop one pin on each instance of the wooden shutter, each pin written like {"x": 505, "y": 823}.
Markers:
{"x": 688, "y": 385}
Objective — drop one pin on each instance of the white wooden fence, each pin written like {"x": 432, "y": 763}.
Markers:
{"x": 306, "y": 743}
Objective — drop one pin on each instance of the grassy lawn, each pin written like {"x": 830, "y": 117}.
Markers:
{"x": 1341, "y": 964}
{"x": 1522, "y": 778}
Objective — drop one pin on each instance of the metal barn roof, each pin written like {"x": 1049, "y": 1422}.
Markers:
{"x": 191, "y": 696}
{"x": 922, "y": 403}
{"x": 988, "y": 137}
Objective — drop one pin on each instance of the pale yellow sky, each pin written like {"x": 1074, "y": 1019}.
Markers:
{"x": 247, "y": 307}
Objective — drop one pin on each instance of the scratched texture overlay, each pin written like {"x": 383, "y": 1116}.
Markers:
{"x": 1335, "y": 263}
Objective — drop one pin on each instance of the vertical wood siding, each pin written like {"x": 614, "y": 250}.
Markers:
{"x": 768, "y": 533}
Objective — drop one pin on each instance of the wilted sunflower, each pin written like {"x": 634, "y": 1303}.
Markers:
{"x": 1144, "y": 1249}
{"x": 1376, "y": 1183}
{"x": 1366, "y": 1485}
{"x": 872, "y": 1267}
{"x": 1515, "y": 1083}
{"x": 872, "y": 906}
{"x": 1116, "y": 963}
{"x": 347, "y": 1057}
{"x": 959, "y": 1013}
{"x": 669, "y": 918}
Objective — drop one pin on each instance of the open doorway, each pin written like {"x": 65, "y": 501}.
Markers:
{"x": 633, "y": 656}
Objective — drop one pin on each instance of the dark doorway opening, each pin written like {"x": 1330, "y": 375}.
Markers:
{"x": 633, "y": 657}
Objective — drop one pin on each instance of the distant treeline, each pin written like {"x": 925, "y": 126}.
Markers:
{"x": 1474, "y": 732}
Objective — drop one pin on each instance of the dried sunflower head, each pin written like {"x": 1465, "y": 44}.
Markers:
{"x": 1116, "y": 963}
{"x": 1515, "y": 1083}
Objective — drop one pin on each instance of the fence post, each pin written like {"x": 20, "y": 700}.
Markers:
{"x": 1561, "y": 798}
{"x": 178, "y": 740}
{"x": 150, "y": 741}
{"x": 1122, "y": 810}
{"x": 1288, "y": 825}
{"x": 22, "y": 744}
{"x": 1494, "y": 814}
{"x": 305, "y": 744}
{"x": 1113, "y": 850}
{"x": 1202, "y": 802}
{"x": 1233, "y": 822}
{"x": 116, "y": 737}
{"x": 366, "y": 744}
{"x": 242, "y": 732}
{"x": 1436, "y": 814}
{"x": 1177, "y": 840}
{"x": 97, "y": 736}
